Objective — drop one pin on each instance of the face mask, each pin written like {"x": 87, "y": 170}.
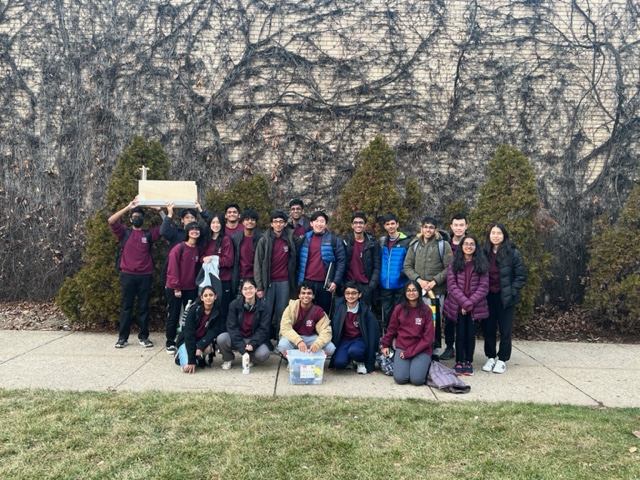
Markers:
{"x": 137, "y": 221}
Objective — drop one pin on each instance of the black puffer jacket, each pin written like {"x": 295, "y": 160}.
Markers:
{"x": 259, "y": 328}
{"x": 513, "y": 277}
{"x": 188, "y": 334}
{"x": 370, "y": 257}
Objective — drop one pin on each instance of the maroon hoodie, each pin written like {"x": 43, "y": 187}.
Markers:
{"x": 183, "y": 267}
{"x": 413, "y": 330}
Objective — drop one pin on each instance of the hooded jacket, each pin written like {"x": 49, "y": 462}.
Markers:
{"x": 423, "y": 261}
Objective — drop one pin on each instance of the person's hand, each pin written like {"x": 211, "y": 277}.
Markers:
{"x": 260, "y": 294}
{"x": 385, "y": 351}
{"x": 401, "y": 354}
{"x": 198, "y": 352}
{"x": 431, "y": 285}
{"x": 424, "y": 284}
{"x": 249, "y": 348}
{"x": 206, "y": 259}
{"x": 198, "y": 207}
{"x": 133, "y": 203}
{"x": 302, "y": 346}
{"x": 332, "y": 287}
{"x": 314, "y": 348}
{"x": 177, "y": 293}
{"x": 191, "y": 368}
{"x": 463, "y": 311}
{"x": 170, "y": 209}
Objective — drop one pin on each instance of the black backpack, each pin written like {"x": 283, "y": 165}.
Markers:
{"x": 125, "y": 237}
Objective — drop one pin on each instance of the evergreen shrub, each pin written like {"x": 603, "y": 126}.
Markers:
{"x": 373, "y": 189}
{"x": 252, "y": 192}
{"x": 93, "y": 295}
{"x": 613, "y": 283}
{"x": 510, "y": 196}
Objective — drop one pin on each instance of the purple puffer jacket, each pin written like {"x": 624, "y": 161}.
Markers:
{"x": 456, "y": 299}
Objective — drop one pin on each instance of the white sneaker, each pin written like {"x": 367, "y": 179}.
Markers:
{"x": 488, "y": 367}
{"x": 500, "y": 367}
{"x": 226, "y": 365}
{"x": 360, "y": 368}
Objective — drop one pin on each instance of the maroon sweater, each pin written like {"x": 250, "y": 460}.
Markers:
{"x": 308, "y": 327}
{"x": 315, "y": 270}
{"x": 413, "y": 330}
{"x": 136, "y": 255}
{"x": 247, "y": 255}
{"x": 183, "y": 267}
{"x": 228, "y": 231}
{"x": 356, "y": 271}
{"x": 225, "y": 254}
{"x": 280, "y": 260}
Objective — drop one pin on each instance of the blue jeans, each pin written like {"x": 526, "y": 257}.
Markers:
{"x": 353, "y": 349}
{"x": 284, "y": 344}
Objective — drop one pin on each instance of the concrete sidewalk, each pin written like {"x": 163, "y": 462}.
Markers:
{"x": 543, "y": 372}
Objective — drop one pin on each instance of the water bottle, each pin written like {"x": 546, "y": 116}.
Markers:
{"x": 245, "y": 363}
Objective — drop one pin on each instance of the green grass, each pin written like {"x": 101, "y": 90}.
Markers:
{"x": 46, "y": 434}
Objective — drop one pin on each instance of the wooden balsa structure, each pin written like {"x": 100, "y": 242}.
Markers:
{"x": 160, "y": 193}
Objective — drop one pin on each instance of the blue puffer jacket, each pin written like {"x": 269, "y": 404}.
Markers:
{"x": 331, "y": 251}
{"x": 391, "y": 276}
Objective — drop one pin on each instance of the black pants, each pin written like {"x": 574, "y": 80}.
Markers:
{"x": 322, "y": 297}
{"x": 449, "y": 333}
{"x": 174, "y": 307}
{"x": 227, "y": 298}
{"x": 389, "y": 300}
{"x": 466, "y": 338}
{"x": 134, "y": 286}
{"x": 499, "y": 317}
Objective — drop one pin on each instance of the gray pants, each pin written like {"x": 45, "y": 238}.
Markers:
{"x": 276, "y": 299}
{"x": 284, "y": 344}
{"x": 261, "y": 354}
{"x": 412, "y": 370}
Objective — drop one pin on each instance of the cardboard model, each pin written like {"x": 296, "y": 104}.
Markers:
{"x": 160, "y": 193}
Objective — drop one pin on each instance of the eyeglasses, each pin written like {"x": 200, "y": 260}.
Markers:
{"x": 428, "y": 227}
{"x": 278, "y": 222}
{"x": 411, "y": 290}
{"x": 295, "y": 209}
{"x": 465, "y": 244}
{"x": 350, "y": 294}
{"x": 357, "y": 223}
{"x": 248, "y": 288}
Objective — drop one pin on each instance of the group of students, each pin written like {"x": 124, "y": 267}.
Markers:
{"x": 276, "y": 289}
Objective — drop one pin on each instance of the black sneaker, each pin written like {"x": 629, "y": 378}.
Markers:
{"x": 448, "y": 354}
{"x": 171, "y": 349}
{"x": 121, "y": 343}
{"x": 146, "y": 343}
{"x": 200, "y": 361}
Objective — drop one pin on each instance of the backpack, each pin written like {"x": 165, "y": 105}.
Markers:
{"x": 440, "y": 249}
{"x": 125, "y": 237}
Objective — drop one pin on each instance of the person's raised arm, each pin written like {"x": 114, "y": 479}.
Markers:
{"x": 116, "y": 216}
